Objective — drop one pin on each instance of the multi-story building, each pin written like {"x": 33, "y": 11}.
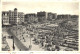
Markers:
{"x": 74, "y": 16}
{"x": 64, "y": 16}
{"x": 5, "y": 18}
{"x": 30, "y": 18}
{"x": 51, "y": 16}
{"x": 42, "y": 16}
{"x": 54, "y": 15}
{"x": 12, "y": 17}
{"x": 15, "y": 16}
{"x": 20, "y": 17}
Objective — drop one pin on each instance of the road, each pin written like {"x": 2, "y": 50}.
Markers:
{"x": 18, "y": 43}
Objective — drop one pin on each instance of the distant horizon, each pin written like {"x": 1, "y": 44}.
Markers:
{"x": 43, "y": 11}
{"x": 71, "y": 8}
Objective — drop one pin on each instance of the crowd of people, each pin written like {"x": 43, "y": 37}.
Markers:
{"x": 50, "y": 38}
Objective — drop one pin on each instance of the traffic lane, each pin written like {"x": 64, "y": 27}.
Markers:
{"x": 18, "y": 43}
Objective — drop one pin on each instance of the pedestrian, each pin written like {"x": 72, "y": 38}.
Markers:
{"x": 30, "y": 46}
{"x": 42, "y": 44}
{"x": 57, "y": 47}
{"x": 20, "y": 49}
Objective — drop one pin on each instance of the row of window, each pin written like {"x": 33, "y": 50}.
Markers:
{"x": 5, "y": 21}
{"x": 5, "y": 18}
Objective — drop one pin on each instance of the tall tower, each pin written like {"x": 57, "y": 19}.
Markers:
{"x": 15, "y": 15}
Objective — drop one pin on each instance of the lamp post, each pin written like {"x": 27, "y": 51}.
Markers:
{"x": 30, "y": 41}
{"x": 13, "y": 44}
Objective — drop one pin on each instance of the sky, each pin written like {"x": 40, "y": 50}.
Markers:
{"x": 34, "y": 7}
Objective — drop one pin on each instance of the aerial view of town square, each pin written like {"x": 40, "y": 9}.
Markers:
{"x": 40, "y": 26}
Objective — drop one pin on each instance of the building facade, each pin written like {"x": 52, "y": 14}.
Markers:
{"x": 74, "y": 16}
{"x": 5, "y": 18}
{"x": 65, "y": 16}
{"x": 54, "y": 15}
{"x": 20, "y": 17}
{"x": 15, "y": 16}
{"x": 42, "y": 16}
{"x": 51, "y": 16}
{"x": 12, "y": 17}
{"x": 31, "y": 18}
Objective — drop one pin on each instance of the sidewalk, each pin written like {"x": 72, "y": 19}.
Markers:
{"x": 10, "y": 42}
{"x": 34, "y": 47}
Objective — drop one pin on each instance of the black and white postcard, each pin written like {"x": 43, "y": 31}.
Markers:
{"x": 40, "y": 26}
